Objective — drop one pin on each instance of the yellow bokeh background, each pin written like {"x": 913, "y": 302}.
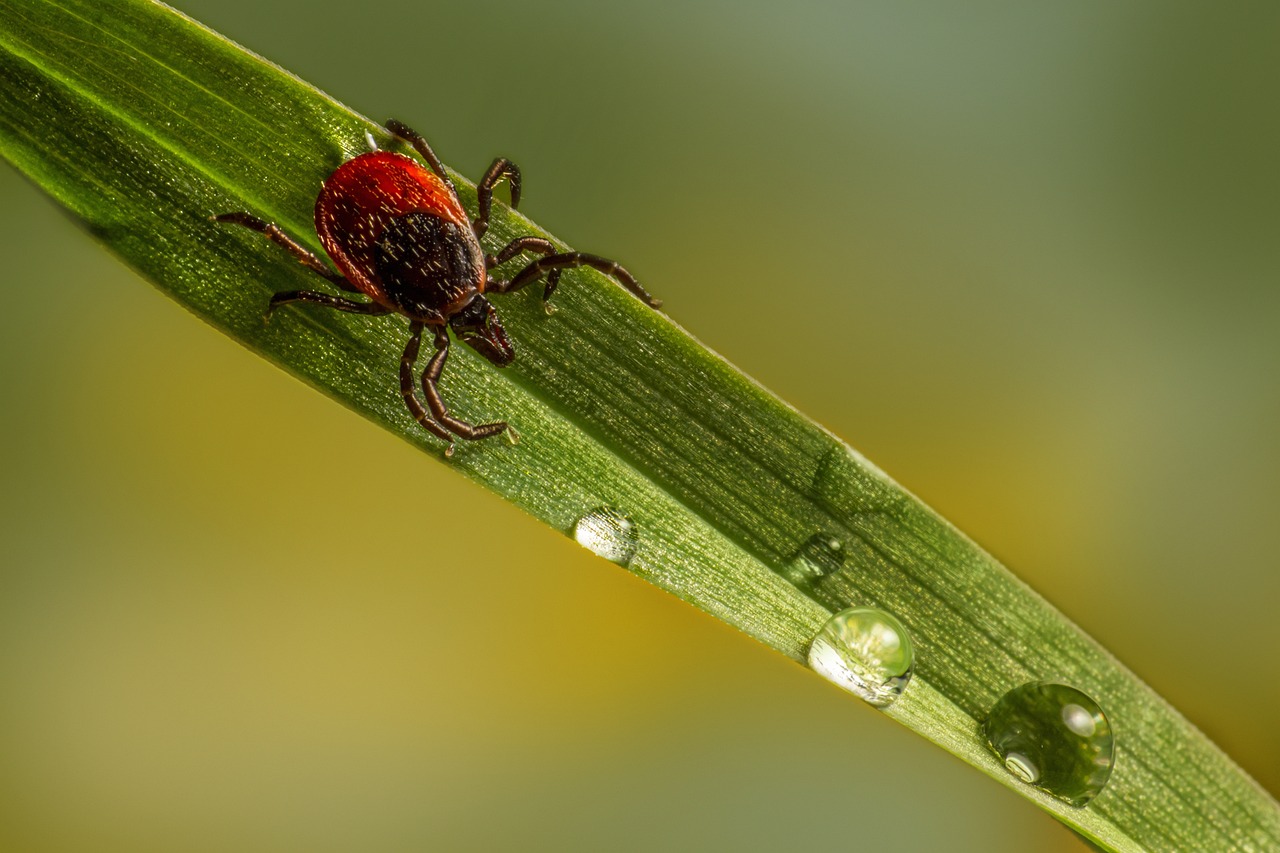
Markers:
{"x": 1025, "y": 259}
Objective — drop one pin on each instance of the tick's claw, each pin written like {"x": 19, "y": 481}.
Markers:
{"x": 513, "y": 437}
{"x": 549, "y": 308}
{"x": 448, "y": 451}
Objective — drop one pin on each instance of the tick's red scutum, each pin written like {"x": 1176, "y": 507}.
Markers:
{"x": 363, "y": 197}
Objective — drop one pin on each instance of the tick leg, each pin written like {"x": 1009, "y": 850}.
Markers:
{"x": 419, "y": 412}
{"x": 517, "y": 246}
{"x": 553, "y": 264}
{"x": 276, "y": 235}
{"x": 325, "y": 299}
{"x": 431, "y": 391}
{"x": 402, "y": 131}
{"x": 501, "y": 168}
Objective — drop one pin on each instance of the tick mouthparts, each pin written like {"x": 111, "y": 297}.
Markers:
{"x": 491, "y": 341}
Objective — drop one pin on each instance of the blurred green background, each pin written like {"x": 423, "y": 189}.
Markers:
{"x": 1025, "y": 259}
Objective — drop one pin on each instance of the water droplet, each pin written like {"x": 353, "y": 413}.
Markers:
{"x": 867, "y": 652}
{"x": 820, "y": 555}
{"x": 845, "y": 481}
{"x": 1054, "y": 737}
{"x": 607, "y": 533}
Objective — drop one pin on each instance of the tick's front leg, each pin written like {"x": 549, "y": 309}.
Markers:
{"x": 419, "y": 412}
{"x": 431, "y": 390}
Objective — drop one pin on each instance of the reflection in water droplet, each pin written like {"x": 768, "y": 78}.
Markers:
{"x": 1022, "y": 767}
{"x": 1054, "y": 737}
{"x": 867, "y": 652}
{"x": 608, "y": 533}
{"x": 820, "y": 555}
{"x": 1079, "y": 720}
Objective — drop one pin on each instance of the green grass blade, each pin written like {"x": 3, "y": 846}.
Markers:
{"x": 144, "y": 124}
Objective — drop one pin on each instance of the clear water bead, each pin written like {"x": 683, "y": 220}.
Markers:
{"x": 867, "y": 652}
{"x": 608, "y": 533}
{"x": 820, "y": 555}
{"x": 1054, "y": 737}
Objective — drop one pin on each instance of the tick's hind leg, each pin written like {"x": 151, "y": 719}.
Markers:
{"x": 556, "y": 263}
{"x": 325, "y": 299}
{"x": 430, "y": 390}
{"x": 276, "y": 235}
{"x": 419, "y": 143}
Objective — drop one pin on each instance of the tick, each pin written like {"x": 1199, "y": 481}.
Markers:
{"x": 399, "y": 235}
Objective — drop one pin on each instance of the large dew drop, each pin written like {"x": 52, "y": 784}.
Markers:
{"x": 867, "y": 652}
{"x": 1054, "y": 737}
{"x": 608, "y": 533}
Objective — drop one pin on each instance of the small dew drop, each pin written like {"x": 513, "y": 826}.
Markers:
{"x": 1055, "y": 737}
{"x": 820, "y": 555}
{"x": 847, "y": 482}
{"x": 607, "y": 533}
{"x": 865, "y": 651}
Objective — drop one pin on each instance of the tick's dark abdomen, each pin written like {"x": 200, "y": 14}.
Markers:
{"x": 427, "y": 264}
{"x": 398, "y": 234}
